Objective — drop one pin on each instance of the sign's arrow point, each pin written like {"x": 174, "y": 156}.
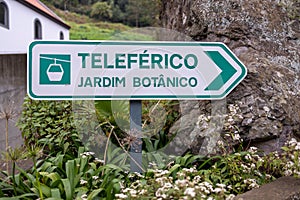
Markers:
{"x": 227, "y": 70}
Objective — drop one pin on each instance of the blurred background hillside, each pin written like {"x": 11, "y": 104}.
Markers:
{"x": 138, "y": 13}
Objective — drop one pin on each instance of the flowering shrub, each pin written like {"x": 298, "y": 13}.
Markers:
{"x": 188, "y": 177}
{"x": 68, "y": 171}
{"x": 228, "y": 176}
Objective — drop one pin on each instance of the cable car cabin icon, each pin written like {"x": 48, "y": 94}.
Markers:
{"x": 55, "y": 69}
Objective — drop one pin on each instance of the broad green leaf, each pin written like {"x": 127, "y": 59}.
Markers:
{"x": 24, "y": 196}
{"x": 55, "y": 193}
{"x": 45, "y": 190}
{"x": 67, "y": 189}
{"x": 54, "y": 176}
{"x": 94, "y": 193}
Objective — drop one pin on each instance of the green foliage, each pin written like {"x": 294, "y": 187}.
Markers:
{"x": 131, "y": 12}
{"x": 142, "y": 13}
{"x": 49, "y": 124}
{"x": 101, "y": 10}
{"x": 68, "y": 171}
{"x": 62, "y": 177}
{"x": 114, "y": 112}
{"x": 157, "y": 118}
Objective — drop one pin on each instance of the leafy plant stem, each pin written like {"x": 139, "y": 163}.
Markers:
{"x": 13, "y": 177}
{"x": 125, "y": 158}
{"x": 208, "y": 160}
{"x": 106, "y": 146}
{"x": 37, "y": 178}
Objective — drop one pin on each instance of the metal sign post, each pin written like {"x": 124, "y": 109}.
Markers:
{"x": 135, "y": 132}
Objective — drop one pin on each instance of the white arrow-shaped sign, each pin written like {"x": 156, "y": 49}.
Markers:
{"x": 131, "y": 70}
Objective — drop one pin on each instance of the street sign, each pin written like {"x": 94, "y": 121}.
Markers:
{"x": 62, "y": 70}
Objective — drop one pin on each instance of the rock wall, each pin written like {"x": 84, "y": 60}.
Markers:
{"x": 265, "y": 35}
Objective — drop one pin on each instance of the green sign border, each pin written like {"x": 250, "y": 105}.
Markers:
{"x": 150, "y": 43}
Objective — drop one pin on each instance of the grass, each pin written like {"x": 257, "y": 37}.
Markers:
{"x": 95, "y": 31}
{"x": 85, "y": 28}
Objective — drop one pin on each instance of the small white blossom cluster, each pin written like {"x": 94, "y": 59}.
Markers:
{"x": 86, "y": 154}
{"x": 84, "y": 197}
{"x": 83, "y": 182}
{"x": 188, "y": 185}
{"x": 294, "y": 144}
{"x": 251, "y": 183}
{"x": 292, "y": 165}
{"x": 248, "y": 168}
{"x": 231, "y": 119}
{"x": 203, "y": 122}
{"x": 97, "y": 160}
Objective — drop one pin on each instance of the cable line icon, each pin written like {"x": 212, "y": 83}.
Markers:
{"x": 54, "y": 69}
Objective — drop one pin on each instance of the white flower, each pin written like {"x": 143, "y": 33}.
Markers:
{"x": 160, "y": 173}
{"x": 229, "y": 187}
{"x": 190, "y": 191}
{"x": 205, "y": 187}
{"x": 82, "y": 182}
{"x": 127, "y": 190}
{"x": 236, "y": 137}
{"x": 95, "y": 177}
{"x": 237, "y": 154}
{"x": 191, "y": 170}
{"x": 167, "y": 185}
{"x": 248, "y": 157}
{"x": 288, "y": 172}
{"x": 181, "y": 183}
{"x": 268, "y": 176}
{"x": 87, "y": 154}
{"x": 221, "y": 185}
{"x": 138, "y": 175}
{"x": 220, "y": 143}
{"x": 230, "y": 197}
{"x": 142, "y": 192}
{"x": 227, "y": 135}
{"x": 121, "y": 196}
{"x": 132, "y": 192}
{"x": 253, "y": 185}
{"x": 179, "y": 174}
{"x": 161, "y": 180}
{"x": 99, "y": 160}
{"x": 219, "y": 190}
{"x": 230, "y": 119}
{"x": 84, "y": 197}
{"x": 289, "y": 164}
{"x": 292, "y": 142}
{"x": 252, "y": 149}
{"x": 160, "y": 193}
{"x": 297, "y": 147}
{"x": 197, "y": 179}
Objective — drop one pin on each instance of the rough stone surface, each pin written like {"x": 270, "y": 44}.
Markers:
{"x": 265, "y": 35}
{"x": 284, "y": 188}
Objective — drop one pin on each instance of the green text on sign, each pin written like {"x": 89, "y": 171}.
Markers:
{"x": 131, "y": 70}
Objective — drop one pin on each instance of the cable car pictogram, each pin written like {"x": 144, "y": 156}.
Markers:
{"x": 55, "y": 71}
